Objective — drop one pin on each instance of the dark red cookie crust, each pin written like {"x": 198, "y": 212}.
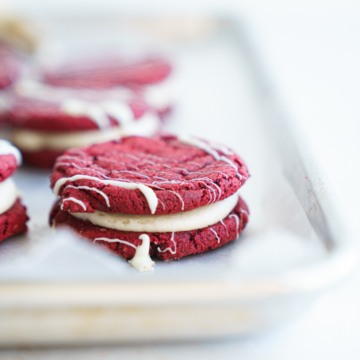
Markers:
{"x": 187, "y": 242}
{"x": 105, "y": 74}
{"x": 13, "y": 221}
{"x": 8, "y": 165}
{"x": 44, "y": 159}
{"x": 163, "y": 163}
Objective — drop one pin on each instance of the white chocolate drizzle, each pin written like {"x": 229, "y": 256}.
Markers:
{"x": 119, "y": 111}
{"x": 142, "y": 260}
{"x": 131, "y": 172}
{"x": 169, "y": 248}
{"x": 147, "y": 192}
{"x": 101, "y": 113}
{"x": 179, "y": 196}
{"x": 210, "y": 172}
{"x": 163, "y": 205}
{"x": 76, "y": 107}
{"x": 217, "y": 236}
{"x": 237, "y": 220}
{"x": 243, "y": 211}
{"x": 6, "y": 148}
{"x": 77, "y": 201}
{"x": 224, "y": 149}
{"x": 211, "y": 150}
{"x": 72, "y": 101}
{"x": 115, "y": 240}
{"x": 222, "y": 222}
{"x": 91, "y": 189}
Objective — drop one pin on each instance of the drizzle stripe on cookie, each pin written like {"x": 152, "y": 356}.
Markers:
{"x": 147, "y": 192}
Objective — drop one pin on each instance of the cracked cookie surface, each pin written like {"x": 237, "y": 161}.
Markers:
{"x": 181, "y": 175}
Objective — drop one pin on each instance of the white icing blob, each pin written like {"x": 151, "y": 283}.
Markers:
{"x": 8, "y": 195}
{"x": 147, "y": 192}
{"x": 142, "y": 260}
{"x": 30, "y": 140}
{"x": 188, "y": 220}
{"x": 6, "y": 148}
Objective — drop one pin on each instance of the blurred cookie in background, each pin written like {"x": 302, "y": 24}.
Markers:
{"x": 103, "y": 73}
{"x": 45, "y": 120}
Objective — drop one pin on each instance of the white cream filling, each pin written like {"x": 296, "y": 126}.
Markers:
{"x": 8, "y": 195}
{"x": 30, "y": 140}
{"x": 189, "y": 220}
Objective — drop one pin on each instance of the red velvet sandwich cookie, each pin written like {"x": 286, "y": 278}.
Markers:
{"x": 12, "y": 214}
{"x": 107, "y": 73}
{"x": 165, "y": 196}
{"x": 46, "y": 120}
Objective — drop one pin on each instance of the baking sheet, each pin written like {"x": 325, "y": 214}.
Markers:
{"x": 213, "y": 99}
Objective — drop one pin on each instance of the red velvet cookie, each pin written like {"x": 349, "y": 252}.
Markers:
{"x": 182, "y": 176}
{"x": 151, "y": 180}
{"x": 107, "y": 73}
{"x": 45, "y": 121}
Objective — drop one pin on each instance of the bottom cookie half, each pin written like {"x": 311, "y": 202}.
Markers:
{"x": 165, "y": 246}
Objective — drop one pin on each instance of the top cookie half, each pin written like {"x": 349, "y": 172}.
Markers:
{"x": 136, "y": 175}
